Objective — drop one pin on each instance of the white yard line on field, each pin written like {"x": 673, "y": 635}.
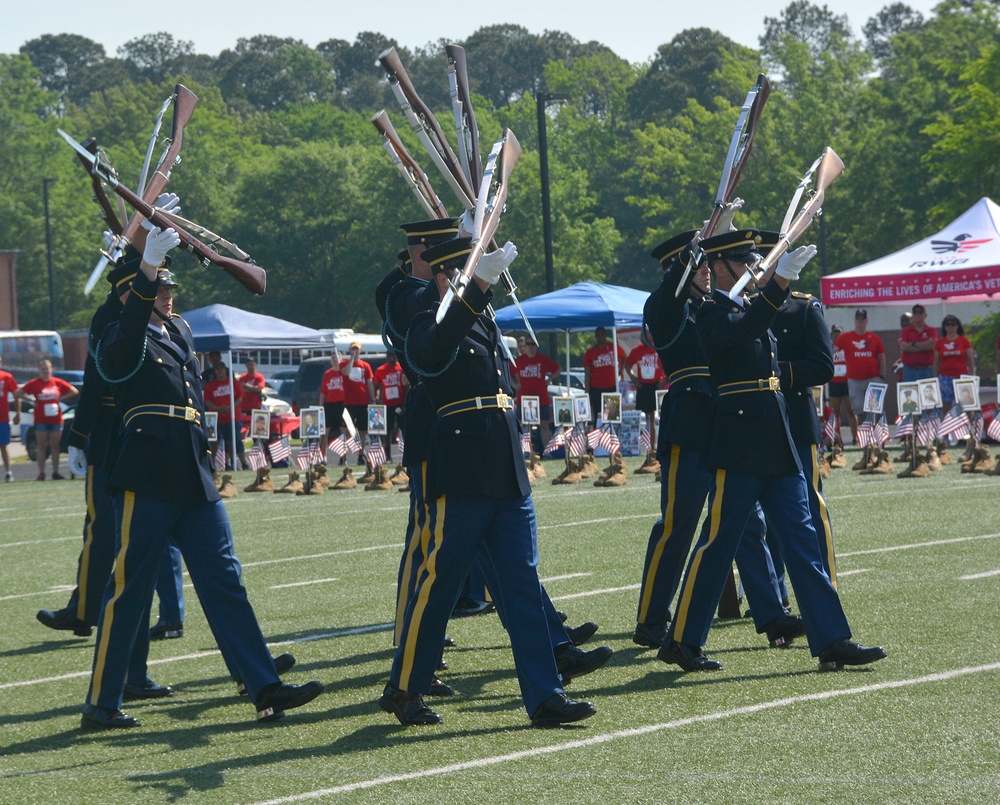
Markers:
{"x": 986, "y": 575}
{"x": 300, "y": 584}
{"x": 78, "y": 538}
{"x": 635, "y": 732}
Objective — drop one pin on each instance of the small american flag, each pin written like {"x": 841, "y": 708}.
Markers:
{"x": 644, "y": 443}
{"x": 954, "y": 423}
{"x": 375, "y": 455}
{"x": 353, "y": 445}
{"x": 925, "y": 432}
{"x": 279, "y": 450}
{"x": 526, "y": 442}
{"x": 339, "y": 445}
{"x": 904, "y": 426}
{"x": 594, "y": 439}
{"x": 881, "y": 432}
{"x": 934, "y": 423}
{"x": 609, "y": 441}
{"x": 830, "y": 429}
{"x": 399, "y": 441}
{"x": 256, "y": 459}
{"x": 865, "y": 437}
{"x": 317, "y": 455}
{"x": 994, "y": 429}
{"x": 558, "y": 440}
{"x": 303, "y": 459}
{"x": 577, "y": 442}
{"x": 220, "y": 457}
{"x": 977, "y": 426}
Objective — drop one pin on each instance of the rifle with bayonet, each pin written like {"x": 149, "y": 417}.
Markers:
{"x": 411, "y": 171}
{"x": 108, "y": 211}
{"x": 465, "y": 119}
{"x": 184, "y": 102}
{"x": 826, "y": 168}
{"x": 736, "y": 160}
{"x": 248, "y": 274}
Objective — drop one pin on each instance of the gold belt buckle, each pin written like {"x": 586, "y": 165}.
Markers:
{"x": 505, "y": 402}
{"x": 190, "y": 414}
{"x": 772, "y": 384}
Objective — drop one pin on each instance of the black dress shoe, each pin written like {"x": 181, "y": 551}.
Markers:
{"x": 439, "y": 688}
{"x": 651, "y": 635}
{"x": 275, "y": 699}
{"x": 561, "y": 709}
{"x": 449, "y": 641}
{"x": 283, "y": 663}
{"x": 409, "y": 708}
{"x": 63, "y": 620}
{"x": 150, "y": 690}
{"x": 97, "y": 718}
{"x": 690, "y": 658}
{"x": 582, "y": 633}
{"x": 847, "y": 652}
{"x": 166, "y": 631}
{"x": 572, "y": 662}
{"x": 466, "y": 607}
{"x": 783, "y": 630}
{"x": 562, "y": 616}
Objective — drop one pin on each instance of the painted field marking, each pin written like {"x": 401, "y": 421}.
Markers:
{"x": 300, "y": 584}
{"x": 986, "y": 575}
{"x": 40, "y": 541}
{"x": 565, "y": 576}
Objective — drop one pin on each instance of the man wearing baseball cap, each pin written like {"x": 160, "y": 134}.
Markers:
{"x": 864, "y": 354}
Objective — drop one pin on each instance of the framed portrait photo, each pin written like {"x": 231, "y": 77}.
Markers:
{"x": 875, "y": 397}
{"x": 309, "y": 423}
{"x": 611, "y": 408}
{"x": 930, "y": 394}
{"x": 817, "y": 392}
{"x": 212, "y": 425}
{"x": 376, "y": 419}
{"x": 260, "y": 423}
{"x": 563, "y": 411}
{"x": 908, "y": 398}
{"x": 582, "y": 407}
{"x": 660, "y": 394}
{"x": 967, "y": 394}
{"x": 530, "y": 411}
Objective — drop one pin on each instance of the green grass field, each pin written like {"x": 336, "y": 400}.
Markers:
{"x": 920, "y": 574}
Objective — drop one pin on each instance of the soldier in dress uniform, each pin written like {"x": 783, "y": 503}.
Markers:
{"x": 753, "y": 458}
{"x": 476, "y": 478}
{"x": 162, "y": 486}
{"x": 685, "y": 422}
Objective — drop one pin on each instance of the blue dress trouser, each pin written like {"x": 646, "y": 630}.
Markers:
{"x": 170, "y": 586}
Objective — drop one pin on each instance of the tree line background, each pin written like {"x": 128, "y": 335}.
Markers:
{"x": 281, "y": 158}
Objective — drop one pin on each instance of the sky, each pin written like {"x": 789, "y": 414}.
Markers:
{"x": 631, "y": 28}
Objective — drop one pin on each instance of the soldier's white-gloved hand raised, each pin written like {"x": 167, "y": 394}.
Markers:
{"x": 492, "y": 265}
{"x": 158, "y": 243}
{"x": 167, "y": 202}
{"x": 466, "y": 223}
{"x": 726, "y": 219}
{"x": 790, "y": 265}
{"x": 77, "y": 461}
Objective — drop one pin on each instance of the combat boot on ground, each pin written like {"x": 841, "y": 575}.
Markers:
{"x": 347, "y": 480}
{"x": 399, "y": 476}
{"x": 943, "y": 456}
{"x": 320, "y": 476}
{"x": 933, "y": 462}
{"x": 368, "y": 477}
{"x": 824, "y": 467}
{"x": 838, "y": 458}
{"x": 310, "y": 487}
{"x": 619, "y": 472}
{"x": 917, "y": 468}
{"x": 262, "y": 483}
{"x": 588, "y": 467}
{"x": 882, "y": 465}
{"x": 570, "y": 475}
{"x": 535, "y": 466}
{"x": 650, "y": 465}
{"x": 867, "y": 460}
{"x": 228, "y": 488}
{"x": 380, "y": 482}
{"x": 985, "y": 464}
{"x": 294, "y": 484}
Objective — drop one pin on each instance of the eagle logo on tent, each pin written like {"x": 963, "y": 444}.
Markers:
{"x": 960, "y": 245}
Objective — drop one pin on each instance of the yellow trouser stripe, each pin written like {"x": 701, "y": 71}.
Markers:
{"x": 423, "y": 593}
{"x": 668, "y": 528}
{"x": 715, "y": 516}
{"x": 88, "y": 541}
{"x": 824, "y": 516}
{"x": 109, "y": 611}
{"x": 418, "y": 517}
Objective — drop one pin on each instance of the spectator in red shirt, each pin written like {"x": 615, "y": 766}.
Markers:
{"x": 864, "y": 355}
{"x": 953, "y": 357}
{"x": 916, "y": 346}
{"x": 252, "y": 382}
{"x": 837, "y": 392}
{"x": 390, "y": 391}
{"x": 643, "y": 364}
{"x": 331, "y": 397}
{"x": 359, "y": 390}
{"x": 599, "y": 369}
{"x": 8, "y": 385}
{"x": 47, "y": 391}
{"x": 218, "y": 398}
{"x": 532, "y": 370}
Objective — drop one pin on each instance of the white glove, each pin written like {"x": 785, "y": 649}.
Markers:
{"x": 77, "y": 461}
{"x": 492, "y": 265}
{"x": 790, "y": 265}
{"x": 726, "y": 219}
{"x": 166, "y": 202}
{"x": 158, "y": 243}
{"x": 466, "y": 223}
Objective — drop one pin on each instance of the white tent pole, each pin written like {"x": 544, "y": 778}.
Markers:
{"x": 614, "y": 352}
{"x": 232, "y": 408}
{"x": 567, "y": 387}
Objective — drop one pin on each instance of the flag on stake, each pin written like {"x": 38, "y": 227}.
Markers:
{"x": 220, "y": 457}
{"x": 526, "y": 442}
{"x": 865, "y": 437}
{"x": 904, "y": 426}
{"x": 375, "y": 455}
{"x": 609, "y": 441}
{"x": 994, "y": 429}
{"x": 830, "y": 429}
{"x": 558, "y": 440}
{"x": 256, "y": 459}
{"x": 881, "y": 432}
{"x": 339, "y": 446}
{"x": 279, "y": 450}
{"x": 645, "y": 445}
{"x": 577, "y": 442}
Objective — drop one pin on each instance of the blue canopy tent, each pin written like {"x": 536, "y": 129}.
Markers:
{"x": 579, "y": 308}
{"x": 221, "y": 328}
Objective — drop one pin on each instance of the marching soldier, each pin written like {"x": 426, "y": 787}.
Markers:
{"x": 753, "y": 459}
{"x": 148, "y": 357}
{"x": 475, "y": 476}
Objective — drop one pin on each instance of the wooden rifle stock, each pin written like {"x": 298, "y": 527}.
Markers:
{"x": 413, "y": 174}
{"x": 108, "y": 211}
{"x": 466, "y": 125}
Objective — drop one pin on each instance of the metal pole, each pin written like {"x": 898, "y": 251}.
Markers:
{"x": 48, "y": 249}
{"x": 541, "y": 100}
{"x": 822, "y": 246}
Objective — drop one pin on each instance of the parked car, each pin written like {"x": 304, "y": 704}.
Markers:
{"x": 274, "y": 403}
{"x": 283, "y": 383}
{"x": 558, "y": 381}
{"x": 305, "y": 392}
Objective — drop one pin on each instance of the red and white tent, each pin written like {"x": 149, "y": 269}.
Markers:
{"x": 962, "y": 260}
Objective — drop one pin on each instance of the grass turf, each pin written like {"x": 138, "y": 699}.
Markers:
{"x": 920, "y": 726}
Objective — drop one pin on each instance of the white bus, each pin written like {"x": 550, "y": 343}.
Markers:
{"x": 23, "y": 349}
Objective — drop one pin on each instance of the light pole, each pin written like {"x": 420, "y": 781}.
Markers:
{"x": 541, "y": 100}
{"x": 48, "y": 250}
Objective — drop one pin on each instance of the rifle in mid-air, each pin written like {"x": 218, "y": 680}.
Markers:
{"x": 411, "y": 171}
{"x": 250, "y": 275}
{"x": 736, "y": 160}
